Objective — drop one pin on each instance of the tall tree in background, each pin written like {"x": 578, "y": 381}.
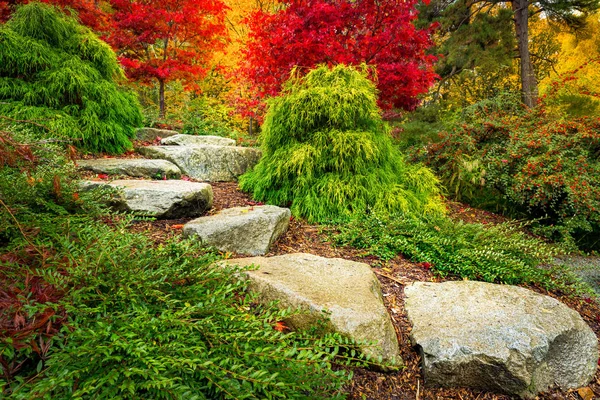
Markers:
{"x": 306, "y": 33}
{"x": 163, "y": 40}
{"x": 456, "y": 15}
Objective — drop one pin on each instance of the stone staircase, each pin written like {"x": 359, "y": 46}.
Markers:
{"x": 522, "y": 351}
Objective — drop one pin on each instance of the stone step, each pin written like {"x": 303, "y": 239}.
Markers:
{"x": 241, "y": 230}
{"x": 160, "y": 199}
{"x": 151, "y": 134}
{"x": 136, "y": 167}
{"x": 345, "y": 293}
{"x": 197, "y": 140}
{"x": 499, "y": 338}
{"x": 207, "y": 163}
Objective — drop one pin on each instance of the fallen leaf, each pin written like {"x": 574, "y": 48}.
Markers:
{"x": 586, "y": 393}
{"x": 280, "y": 326}
{"x": 177, "y": 226}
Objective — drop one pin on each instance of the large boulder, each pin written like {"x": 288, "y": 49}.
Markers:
{"x": 197, "y": 140}
{"x": 207, "y": 163}
{"x": 151, "y": 134}
{"x": 137, "y": 167}
{"x": 499, "y": 338}
{"x": 346, "y": 295}
{"x": 241, "y": 230}
{"x": 160, "y": 199}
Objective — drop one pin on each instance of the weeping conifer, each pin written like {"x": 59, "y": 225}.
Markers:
{"x": 328, "y": 154}
{"x": 58, "y": 74}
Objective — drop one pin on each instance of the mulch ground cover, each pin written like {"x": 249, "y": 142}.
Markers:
{"x": 393, "y": 276}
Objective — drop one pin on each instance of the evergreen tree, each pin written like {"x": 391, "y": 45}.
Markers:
{"x": 476, "y": 27}
{"x": 59, "y": 75}
{"x": 328, "y": 154}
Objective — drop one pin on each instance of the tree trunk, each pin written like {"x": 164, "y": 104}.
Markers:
{"x": 161, "y": 98}
{"x": 529, "y": 90}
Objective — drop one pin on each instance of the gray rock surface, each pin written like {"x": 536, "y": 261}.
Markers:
{"x": 207, "y": 163}
{"x": 160, "y": 199}
{"x": 138, "y": 167}
{"x": 150, "y": 134}
{"x": 347, "y": 291}
{"x": 499, "y": 338}
{"x": 241, "y": 230}
{"x": 197, "y": 140}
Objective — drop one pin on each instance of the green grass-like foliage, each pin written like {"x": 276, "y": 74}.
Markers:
{"x": 57, "y": 73}
{"x": 327, "y": 153}
{"x": 500, "y": 253}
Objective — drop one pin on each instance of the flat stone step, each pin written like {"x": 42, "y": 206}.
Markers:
{"x": 136, "y": 167}
{"x": 207, "y": 163}
{"x": 347, "y": 291}
{"x": 197, "y": 140}
{"x": 499, "y": 338}
{"x": 151, "y": 134}
{"x": 160, "y": 199}
{"x": 241, "y": 230}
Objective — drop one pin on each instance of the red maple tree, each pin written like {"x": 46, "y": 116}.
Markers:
{"x": 306, "y": 33}
{"x": 163, "y": 40}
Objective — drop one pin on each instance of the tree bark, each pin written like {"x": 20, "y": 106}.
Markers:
{"x": 161, "y": 98}
{"x": 529, "y": 90}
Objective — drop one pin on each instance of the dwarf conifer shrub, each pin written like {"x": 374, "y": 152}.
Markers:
{"x": 58, "y": 74}
{"x": 328, "y": 154}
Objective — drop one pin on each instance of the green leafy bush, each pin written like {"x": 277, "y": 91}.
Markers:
{"x": 528, "y": 163}
{"x": 58, "y": 74}
{"x": 501, "y": 253}
{"x": 327, "y": 153}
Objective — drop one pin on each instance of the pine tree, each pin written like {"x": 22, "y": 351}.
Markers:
{"x": 59, "y": 75}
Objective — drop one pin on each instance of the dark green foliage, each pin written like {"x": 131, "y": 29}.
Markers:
{"x": 529, "y": 163}
{"x": 328, "y": 154}
{"x": 57, "y": 73}
{"x": 146, "y": 322}
{"x": 502, "y": 253}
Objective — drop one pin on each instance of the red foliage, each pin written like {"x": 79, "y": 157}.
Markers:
{"x": 167, "y": 39}
{"x": 306, "y": 33}
{"x": 89, "y": 12}
{"x": 20, "y": 292}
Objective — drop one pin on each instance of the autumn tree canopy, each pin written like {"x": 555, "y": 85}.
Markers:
{"x": 305, "y": 33}
{"x": 163, "y": 40}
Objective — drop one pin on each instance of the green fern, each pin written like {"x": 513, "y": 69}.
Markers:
{"x": 328, "y": 154}
{"x": 58, "y": 74}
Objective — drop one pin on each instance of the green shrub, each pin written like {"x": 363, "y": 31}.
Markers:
{"x": 58, "y": 74}
{"x": 501, "y": 254}
{"x": 529, "y": 163}
{"x": 328, "y": 154}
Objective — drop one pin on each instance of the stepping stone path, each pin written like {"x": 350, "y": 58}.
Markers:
{"x": 347, "y": 291}
{"x": 499, "y": 338}
{"x": 480, "y": 335}
{"x": 136, "y": 167}
{"x": 207, "y": 162}
{"x": 193, "y": 140}
{"x": 160, "y": 199}
{"x": 242, "y": 230}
